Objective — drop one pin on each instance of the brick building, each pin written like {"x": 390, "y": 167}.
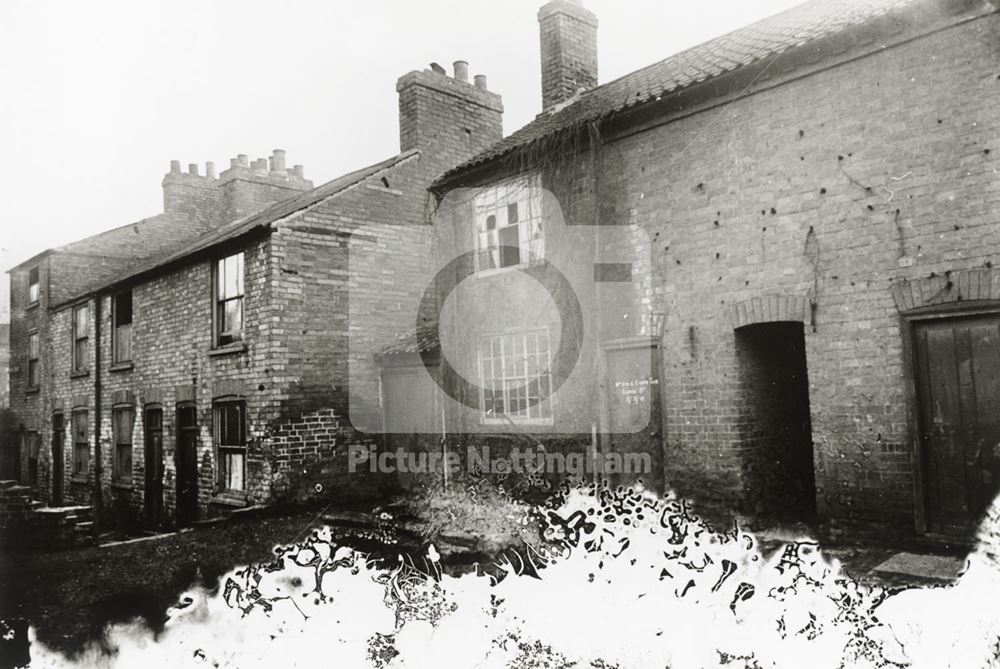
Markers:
{"x": 197, "y": 360}
{"x": 814, "y": 288}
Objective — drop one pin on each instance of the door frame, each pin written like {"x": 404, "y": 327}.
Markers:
{"x": 909, "y": 322}
{"x": 149, "y": 476}
{"x": 57, "y": 451}
{"x": 180, "y": 430}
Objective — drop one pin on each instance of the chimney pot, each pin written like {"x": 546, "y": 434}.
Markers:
{"x": 244, "y": 159}
{"x": 233, "y": 162}
{"x": 278, "y": 157}
{"x": 193, "y": 169}
{"x": 440, "y": 70}
{"x": 210, "y": 169}
{"x": 175, "y": 167}
{"x": 260, "y": 164}
{"x": 299, "y": 171}
{"x": 481, "y": 82}
{"x": 461, "y": 70}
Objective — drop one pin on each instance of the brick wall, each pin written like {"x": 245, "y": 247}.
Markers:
{"x": 568, "y": 35}
{"x": 824, "y": 194}
{"x": 830, "y": 188}
{"x": 448, "y": 120}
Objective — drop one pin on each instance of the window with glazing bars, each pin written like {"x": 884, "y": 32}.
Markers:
{"x": 81, "y": 334}
{"x": 230, "y": 433}
{"x": 229, "y": 299}
{"x": 122, "y": 420}
{"x": 516, "y": 376}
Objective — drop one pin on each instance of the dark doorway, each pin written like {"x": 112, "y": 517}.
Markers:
{"x": 186, "y": 461}
{"x": 154, "y": 466}
{"x": 776, "y": 431}
{"x": 957, "y": 370}
{"x": 58, "y": 462}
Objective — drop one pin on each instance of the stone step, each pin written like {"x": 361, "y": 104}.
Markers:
{"x": 85, "y": 528}
{"x": 8, "y": 483}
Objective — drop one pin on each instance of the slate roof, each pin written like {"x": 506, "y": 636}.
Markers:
{"x": 793, "y": 27}
{"x": 275, "y": 212}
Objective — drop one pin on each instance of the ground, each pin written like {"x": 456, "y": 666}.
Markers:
{"x": 69, "y": 596}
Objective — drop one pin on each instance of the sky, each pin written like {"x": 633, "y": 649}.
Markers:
{"x": 97, "y": 97}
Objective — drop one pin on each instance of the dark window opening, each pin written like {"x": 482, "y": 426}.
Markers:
{"x": 33, "y": 360}
{"x": 121, "y": 309}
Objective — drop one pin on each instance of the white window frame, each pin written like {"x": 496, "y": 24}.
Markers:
{"x": 493, "y": 208}
{"x": 507, "y": 377}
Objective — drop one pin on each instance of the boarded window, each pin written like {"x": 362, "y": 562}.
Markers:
{"x": 81, "y": 333}
{"x": 509, "y": 224}
{"x": 516, "y": 377}
{"x": 229, "y": 300}
{"x": 229, "y": 432}
{"x": 33, "y": 360}
{"x": 122, "y": 421}
{"x": 81, "y": 445}
{"x": 33, "y": 285}
{"x": 122, "y": 314}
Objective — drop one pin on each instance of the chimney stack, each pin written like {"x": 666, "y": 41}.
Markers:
{"x": 449, "y": 119}
{"x": 568, "y": 33}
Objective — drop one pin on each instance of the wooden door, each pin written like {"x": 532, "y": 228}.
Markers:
{"x": 957, "y": 370}
{"x": 633, "y": 406}
{"x": 154, "y": 466}
{"x": 410, "y": 418}
{"x": 186, "y": 461}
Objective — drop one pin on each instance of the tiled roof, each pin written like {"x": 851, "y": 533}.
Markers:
{"x": 770, "y": 36}
{"x": 264, "y": 218}
{"x": 120, "y": 249}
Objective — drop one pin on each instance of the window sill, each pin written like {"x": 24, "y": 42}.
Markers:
{"x": 79, "y": 480}
{"x": 32, "y": 391}
{"x": 79, "y": 375}
{"x": 500, "y": 422}
{"x": 124, "y": 366}
{"x": 234, "y": 498}
{"x": 229, "y": 349}
{"x": 32, "y": 305}
{"x": 121, "y": 485}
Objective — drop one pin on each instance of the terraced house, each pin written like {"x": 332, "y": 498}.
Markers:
{"x": 196, "y": 361}
{"x": 819, "y": 199}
